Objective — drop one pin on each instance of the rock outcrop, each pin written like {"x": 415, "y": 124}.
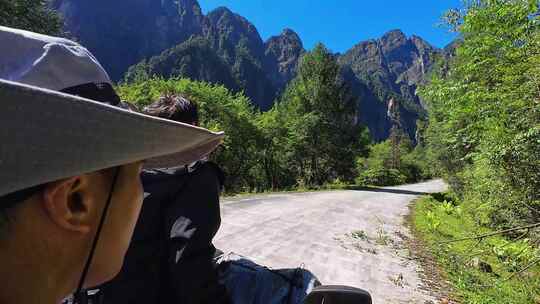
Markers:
{"x": 390, "y": 67}
{"x": 282, "y": 55}
{"x": 238, "y": 42}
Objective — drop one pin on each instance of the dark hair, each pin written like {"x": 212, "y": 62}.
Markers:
{"x": 174, "y": 107}
{"x": 11, "y": 199}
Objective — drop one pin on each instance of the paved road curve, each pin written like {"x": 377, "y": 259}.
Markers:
{"x": 344, "y": 237}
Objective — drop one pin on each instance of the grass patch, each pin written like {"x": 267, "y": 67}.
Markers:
{"x": 481, "y": 271}
{"x": 360, "y": 235}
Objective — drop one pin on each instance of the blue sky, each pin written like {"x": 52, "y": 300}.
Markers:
{"x": 340, "y": 24}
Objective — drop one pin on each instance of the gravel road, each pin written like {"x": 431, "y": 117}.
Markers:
{"x": 345, "y": 237}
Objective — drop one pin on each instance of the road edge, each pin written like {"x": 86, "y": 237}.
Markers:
{"x": 433, "y": 277}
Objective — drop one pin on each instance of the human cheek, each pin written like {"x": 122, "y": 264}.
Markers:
{"x": 137, "y": 199}
{"x": 132, "y": 189}
{"x": 132, "y": 204}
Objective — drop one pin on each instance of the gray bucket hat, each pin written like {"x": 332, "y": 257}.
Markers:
{"x": 48, "y": 133}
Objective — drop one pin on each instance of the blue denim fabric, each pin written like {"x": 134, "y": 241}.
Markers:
{"x": 250, "y": 283}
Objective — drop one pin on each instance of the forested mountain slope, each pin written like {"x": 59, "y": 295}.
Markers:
{"x": 142, "y": 38}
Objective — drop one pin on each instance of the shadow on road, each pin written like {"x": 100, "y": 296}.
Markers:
{"x": 395, "y": 191}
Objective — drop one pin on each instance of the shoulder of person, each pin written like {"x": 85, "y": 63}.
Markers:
{"x": 214, "y": 168}
{"x": 161, "y": 174}
{"x": 152, "y": 176}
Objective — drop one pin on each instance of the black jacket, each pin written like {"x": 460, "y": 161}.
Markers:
{"x": 170, "y": 259}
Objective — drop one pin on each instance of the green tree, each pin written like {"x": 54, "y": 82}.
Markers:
{"x": 275, "y": 155}
{"x": 382, "y": 169}
{"x": 485, "y": 110}
{"x": 219, "y": 110}
{"x": 318, "y": 115}
{"x": 31, "y": 15}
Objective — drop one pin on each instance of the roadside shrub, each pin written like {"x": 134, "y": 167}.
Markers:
{"x": 484, "y": 113}
{"x": 433, "y": 221}
{"x": 336, "y": 184}
{"x": 494, "y": 269}
{"x": 381, "y": 177}
{"x": 379, "y": 168}
{"x": 447, "y": 207}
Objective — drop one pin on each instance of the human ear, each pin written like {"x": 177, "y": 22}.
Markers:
{"x": 68, "y": 205}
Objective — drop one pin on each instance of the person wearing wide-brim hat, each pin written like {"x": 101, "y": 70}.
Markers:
{"x": 70, "y": 158}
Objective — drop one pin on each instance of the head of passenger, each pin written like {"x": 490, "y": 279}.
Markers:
{"x": 174, "y": 107}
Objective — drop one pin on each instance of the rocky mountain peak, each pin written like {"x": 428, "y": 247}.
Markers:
{"x": 394, "y": 34}
{"x": 219, "y": 11}
{"x": 389, "y": 68}
{"x": 226, "y": 25}
{"x": 393, "y": 38}
{"x": 287, "y": 39}
{"x": 193, "y": 4}
{"x": 183, "y": 8}
{"x": 420, "y": 44}
{"x": 224, "y": 17}
{"x": 450, "y": 49}
{"x": 173, "y": 38}
{"x": 282, "y": 54}
{"x": 287, "y": 32}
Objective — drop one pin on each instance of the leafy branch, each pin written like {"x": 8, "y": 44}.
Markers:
{"x": 483, "y": 236}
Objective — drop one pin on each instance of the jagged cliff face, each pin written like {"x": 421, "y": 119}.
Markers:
{"x": 238, "y": 42}
{"x": 263, "y": 69}
{"x": 393, "y": 60}
{"x": 282, "y": 55}
{"x": 174, "y": 38}
{"x": 194, "y": 59}
{"x": 245, "y": 62}
{"x": 232, "y": 30}
{"x": 122, "y": 32}
{"x": 390, "y": 67}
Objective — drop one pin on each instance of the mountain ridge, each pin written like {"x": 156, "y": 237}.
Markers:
{"x": 174, "y": 38}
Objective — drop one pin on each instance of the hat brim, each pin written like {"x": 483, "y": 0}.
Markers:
{"x": 46, "y": 135}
